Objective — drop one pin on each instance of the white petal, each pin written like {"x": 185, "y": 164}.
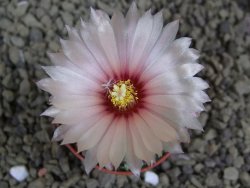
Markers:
{"x": 161, "y": 128}
{"x": 133, "y": 162}
{"x": 59, "y": 133}
{"x": 107, "y": 39}
{"x": 140, "y": 40}
{"x": 76, "y": 131}
{"x": 75, "y": 116}
{"x": 118, "y": 23}
{"x": 118, "y": 145}
{"x": 73, "y": 34}
{"x": 139, "y": 148}
{"x": 90, "y": 160}
{"x": 151, "y": 142}
{"x": 51, "y": 111}
{"x": 181, "y": 102}
{"x": 168, "y": 35}
{"x": 76, "y": 101}
{"x": 173, "y": 147}
{"x": 104, "y": 145}
{"x": 92, "y": 136}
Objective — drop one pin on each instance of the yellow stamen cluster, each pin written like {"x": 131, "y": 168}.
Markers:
{"x": 123, "y": 94}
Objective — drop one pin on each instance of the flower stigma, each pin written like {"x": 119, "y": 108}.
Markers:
{"x": 123, "y": 94}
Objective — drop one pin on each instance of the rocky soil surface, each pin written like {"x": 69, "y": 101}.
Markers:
{"x": 219, "y": 157}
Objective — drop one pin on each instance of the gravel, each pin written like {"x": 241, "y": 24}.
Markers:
{"x": 218, "y": 157}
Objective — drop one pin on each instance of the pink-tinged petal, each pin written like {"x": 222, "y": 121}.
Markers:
{"x": 104, "y": 145}
{"x": 171, "y": 56}
{"x": 133, "y": 162}
{"x": 180, "y": 86}
{"x": 66, "y": 75}
{"x": 151, "y": 142}
{"x": 152, "y": 39}
{"x": 164, "y": 41}
{"x": 51, "y": 112}
{"x": 118, "y": 23}
{"x": 92, "y": 136}
{"x": 107, "y": 39}
{"x": 94, "y": 72}
{"x": 75, "y": 116}
{"x": 77, "y": 130}
{"x": 75, "y": 101}
{"x": 139, "y": 148}
{"x": 91, "y": 39}
{"x": 173, "y": 148}
{"x": 57, "y": 88}
{"x": 175, "y": 118}
{"x": 183, "y": 135}
{"x": 118, "y": 145}
{"x": 160, "y": 128}
{"x": 200, "y": 96}
{"x": 90, "y": 160}
{"x": 140, "y": 40}
{"x": 60, "y": 132}
{"x": 180, "y": 102}
{"x": 73, "y": 34}
{"x": 132, "y": 18}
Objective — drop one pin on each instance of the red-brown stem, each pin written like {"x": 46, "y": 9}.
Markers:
{"x": 127, "y": 173}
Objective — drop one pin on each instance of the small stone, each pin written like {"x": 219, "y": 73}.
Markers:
{"x": 31, "y": 21}
{"x": 242, "y": 87}
{"x": 198, "y": 167}
{"x": 244, "y": 61}
{"x": 195, "y": 182}
{"x": 92, "y": 183}
{"x": 14, "y": 55}
{"x": 238, "y": 162}
{"x": 24, "y": 87}
{"x": 245, "y": 179}
{"x": 72, "y": 180}
{"x": 8, "y": 95}
{"x": 121, "y": 180}
{"x": 231, "y": 173}
{"x": 17, "y": 41}
{"x": 68, "y": 7}
{"x": 164, "y": 180}
{"x": 36, "y": 35}
{"x": 21, "y": 9}
{"x": 38, "y": 183}
{"x": 20, "y": 173}
{"x": 212, "y": 180}
{"x": 4, "y": 184}
{"x": 211, "y": 134}
{"x": 151, "y": 178}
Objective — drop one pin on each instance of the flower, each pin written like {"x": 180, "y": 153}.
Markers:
{"x": 123, "y": 89}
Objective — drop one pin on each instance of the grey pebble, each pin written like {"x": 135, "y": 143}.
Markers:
{"x": 21, "y": 9}
{"x": 242, "y": 87}
{"x": 245, "y": 178}
{"x": 164, "y": 179}
{"x": 92, "y": 183}
{"x": 212, "y": 180}
{"x": 17, "y": 41}
{"x": 14, "y": 55}
{"x": 8, "y": 95}
{"x": 31, "y": 21}
{"x": 4, "y": 184}
{"x": 231, "y": 173}
{"x": 24, "y": 88}
{"x": 72, "y": 180}
{"x": 38, "y": 183}
{"x": 36, "y": 35}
